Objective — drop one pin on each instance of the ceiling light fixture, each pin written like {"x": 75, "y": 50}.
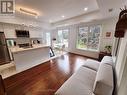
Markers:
{"x": 50, "y": 21}
{"x": 29, "y": 12}
{"x": 85, "y": 9}
{"x": 63, "y": 16}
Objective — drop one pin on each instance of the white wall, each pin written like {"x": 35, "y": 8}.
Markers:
{"x": 44, "y": 35}
{"x": 121, "y": 63}
{"x": 122, "y": 90}
{"x": 108, "y": 25}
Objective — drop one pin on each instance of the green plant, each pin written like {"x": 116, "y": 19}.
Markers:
{"x": 108, "y": 48}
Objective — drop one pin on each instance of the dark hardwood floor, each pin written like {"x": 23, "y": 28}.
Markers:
{"x": 46, "y": 78}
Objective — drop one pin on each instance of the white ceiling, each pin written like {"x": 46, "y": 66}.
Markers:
{"x": 105, "y": 5}
{"x": 52, "y": 10}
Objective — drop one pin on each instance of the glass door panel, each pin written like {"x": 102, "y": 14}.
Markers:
{"x": 48, "y": 39}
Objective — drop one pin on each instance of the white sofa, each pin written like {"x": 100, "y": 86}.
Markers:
{"x": 93, "y": 78}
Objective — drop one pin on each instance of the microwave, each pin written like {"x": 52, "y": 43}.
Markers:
{"x": 22, "y": 33}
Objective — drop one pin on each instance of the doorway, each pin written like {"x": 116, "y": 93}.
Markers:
{"x": 63, "y": 37}
{"x": 48, "y": 38}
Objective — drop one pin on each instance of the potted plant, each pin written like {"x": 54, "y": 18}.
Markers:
{"x": 108, "y": 49}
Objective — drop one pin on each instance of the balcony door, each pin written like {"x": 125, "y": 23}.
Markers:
{"x": 48, "y": 38}
{"x": 63, "y": 37}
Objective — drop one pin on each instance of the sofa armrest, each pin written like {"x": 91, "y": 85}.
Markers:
{"x": 104, "y": 84}
{"x": 107, "y": 60}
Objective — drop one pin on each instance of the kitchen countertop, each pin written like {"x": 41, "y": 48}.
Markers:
{"x": 16, "y": 49}
{"x": 25, "y": 58}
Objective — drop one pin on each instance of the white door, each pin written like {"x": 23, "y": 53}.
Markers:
{"x": 63, "y": 37}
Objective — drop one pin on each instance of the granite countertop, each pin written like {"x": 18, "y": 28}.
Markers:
{"x": 17, "y": 49}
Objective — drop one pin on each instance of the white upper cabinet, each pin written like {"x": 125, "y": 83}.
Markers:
{"x": 17, "y": 27}
{"x": 9, "y": 30}
{"x": 35, "y": 33}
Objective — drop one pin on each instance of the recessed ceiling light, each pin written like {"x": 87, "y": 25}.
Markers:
{"x": 85, "y": 9}
{"x": 36, "y": 17}
{"x": 50, "y": 21}
{"x": 63, "y": 16}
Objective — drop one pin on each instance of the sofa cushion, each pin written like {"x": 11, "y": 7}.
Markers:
{"x": 107, "y": 60}
{"x": 80, "y": 83}
{"x": 104, "y": 80}
{"x": 92, "y": 64}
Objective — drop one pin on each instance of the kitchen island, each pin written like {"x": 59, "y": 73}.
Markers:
{"x": 25, "y": 58}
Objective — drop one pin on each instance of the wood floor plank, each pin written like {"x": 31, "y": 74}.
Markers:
{"x": 45, "y": 78}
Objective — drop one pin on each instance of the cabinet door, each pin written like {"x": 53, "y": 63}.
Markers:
{"x": 17, "y": 27}
{"x": 32, "y": 32}
{"x": 9, "y": 31}
{"x": 1, "y": 28}
{"x": 35, "y": 33}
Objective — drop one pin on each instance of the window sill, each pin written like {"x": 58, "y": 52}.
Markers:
{"x": 91, "y": 50}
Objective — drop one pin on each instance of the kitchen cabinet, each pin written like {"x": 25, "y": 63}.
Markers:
{"x": 1, "y": 28}
{"x": 23, "y": 59}
{"x": 35, "y": 33}
{"x": 17, "y": 27}
{"x": 9, "y": 31}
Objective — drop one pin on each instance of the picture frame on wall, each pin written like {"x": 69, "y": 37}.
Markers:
{"x": 108, "y": 35}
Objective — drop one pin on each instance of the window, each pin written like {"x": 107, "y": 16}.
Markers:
{"x": 63, "y": 37}
{"x": 88, "y": 38}
{"x": 48, "y": 38}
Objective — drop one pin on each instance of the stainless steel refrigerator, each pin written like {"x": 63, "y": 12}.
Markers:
{"x": 4, "y": 53}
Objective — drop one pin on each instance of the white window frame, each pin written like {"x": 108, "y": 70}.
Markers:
{"x": 86, "y": 49}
